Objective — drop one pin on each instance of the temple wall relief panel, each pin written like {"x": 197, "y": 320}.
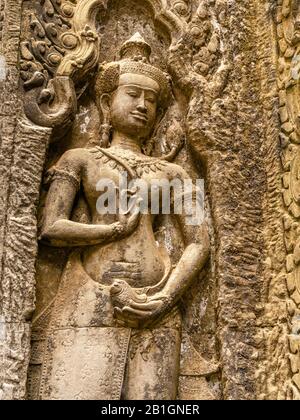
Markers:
{"x": 176, "y": 311}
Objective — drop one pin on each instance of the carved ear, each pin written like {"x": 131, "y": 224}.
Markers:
{"x": 105, "y": 102}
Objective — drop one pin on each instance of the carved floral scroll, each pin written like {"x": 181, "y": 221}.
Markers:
{"x": 65, "y": 46}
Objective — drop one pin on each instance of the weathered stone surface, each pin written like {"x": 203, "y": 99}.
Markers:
{"x": 235, "y": 72}
{"x": 287, "y": 336}
{"x": 19, "y": 254}
{"x": 22, "y": 150}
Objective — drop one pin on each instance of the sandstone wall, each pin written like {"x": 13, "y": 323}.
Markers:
{"x": 231, "y": 66}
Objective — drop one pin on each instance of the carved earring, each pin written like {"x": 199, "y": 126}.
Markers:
{"x": 105, "y": 132}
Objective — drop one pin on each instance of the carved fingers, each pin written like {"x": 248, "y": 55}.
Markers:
{"x": 129, "y": 221}
{"x": 138, "y": 315}
{"x": 143, "y": 307}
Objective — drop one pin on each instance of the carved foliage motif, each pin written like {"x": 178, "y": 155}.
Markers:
{"x": 200, "y": 63}
{"x": 199, "y": 47}
{"x": 181, "y": 7}
{"x": 44, "y": 51}
{"x": 206, "y": 42}
{"x": 288, "y": 30}
{"x": 64, "y": 47}
{"x": 60, "y": 28}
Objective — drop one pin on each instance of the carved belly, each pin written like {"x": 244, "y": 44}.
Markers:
{"x": 136, "y": 259}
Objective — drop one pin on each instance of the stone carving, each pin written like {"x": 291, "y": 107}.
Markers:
{"x": 19, "y": 192}
{"x": 119, "y": 295}
{"x": 59, "y": 27}
{"x": 174, "y": 135}
{"x": 182, "y": 8}
{"x": 220, "y": 56}
{"x": 45, "y": 55}
{"x": 288, "y": 19}
{"x": 44, "y": 51}
{"x": 65, "y": 47}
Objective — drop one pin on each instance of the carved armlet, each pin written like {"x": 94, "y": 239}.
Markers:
{"x": 61, "y": 174}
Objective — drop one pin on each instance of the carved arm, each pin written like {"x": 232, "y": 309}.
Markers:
{"x": 192, "y": 261}
{"x": 59, "y": 231}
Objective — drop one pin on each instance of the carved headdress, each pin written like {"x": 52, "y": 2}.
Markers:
{"x": 135, "y": 59}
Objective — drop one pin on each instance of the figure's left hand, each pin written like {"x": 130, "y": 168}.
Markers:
{"x": 141, "y": 315}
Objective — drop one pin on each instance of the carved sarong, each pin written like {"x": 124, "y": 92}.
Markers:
{"x": 80, "y": 352}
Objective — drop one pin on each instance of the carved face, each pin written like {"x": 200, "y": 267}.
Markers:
{"x": 133, "y": 106}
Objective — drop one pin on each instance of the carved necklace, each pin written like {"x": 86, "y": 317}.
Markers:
{"x": 135, "y": 165}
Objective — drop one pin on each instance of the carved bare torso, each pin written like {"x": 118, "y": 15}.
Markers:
{"x": 136, "y": 259}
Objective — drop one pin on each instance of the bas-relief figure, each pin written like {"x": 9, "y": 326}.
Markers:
{"x": 114, "y": 328}
{"x": 221, "y": 57}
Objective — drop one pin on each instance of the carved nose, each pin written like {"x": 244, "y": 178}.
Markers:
{"x": 142, "y": 108}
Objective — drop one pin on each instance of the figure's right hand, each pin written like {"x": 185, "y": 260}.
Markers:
{"x": 128, "y": 222}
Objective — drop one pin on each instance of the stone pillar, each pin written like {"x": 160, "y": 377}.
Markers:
{"x": 22, "y": 153}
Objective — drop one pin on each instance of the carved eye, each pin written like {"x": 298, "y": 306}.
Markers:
{"x": 133, "y": 94}
{"x": 151, "y": 100}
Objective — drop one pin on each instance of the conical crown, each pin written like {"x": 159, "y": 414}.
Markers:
{"x": 136, "y": 48}
{"x": 135, "y": 59}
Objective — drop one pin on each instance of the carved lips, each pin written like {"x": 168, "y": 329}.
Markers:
{"x": 139, "y": 116}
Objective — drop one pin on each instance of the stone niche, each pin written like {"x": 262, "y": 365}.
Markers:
{"x": 232, "y": 121}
